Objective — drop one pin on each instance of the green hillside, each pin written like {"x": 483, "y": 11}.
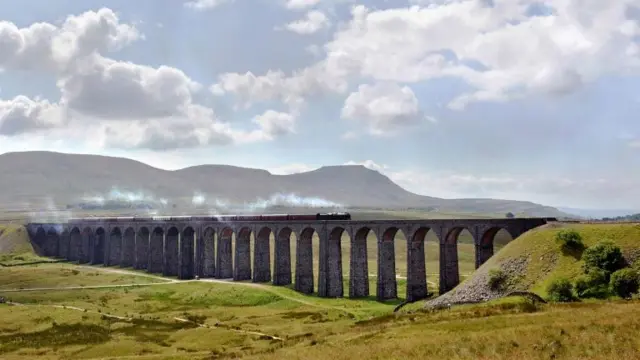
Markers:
{"x": 15, "y": 246}
{"x": 535, "y": 259}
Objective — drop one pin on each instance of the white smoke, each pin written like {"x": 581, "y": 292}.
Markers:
{"x": 201, "y": 203}
{"x": 48, "y": 212}
{"x": 217, "y": 205}
{"x": 116, "y": 194}
{"x": 291, "y": 200}
{"x": 198, "y": 199}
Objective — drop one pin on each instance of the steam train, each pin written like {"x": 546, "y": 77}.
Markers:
{"x": 224, "y": 218}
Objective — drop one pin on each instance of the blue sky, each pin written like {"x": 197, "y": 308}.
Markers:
{"x": 515, "y": 99}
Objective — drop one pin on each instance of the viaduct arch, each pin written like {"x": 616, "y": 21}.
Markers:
{"x": 186, "y": 249}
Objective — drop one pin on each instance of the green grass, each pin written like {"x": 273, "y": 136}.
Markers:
{"x": 15, "y": 247}
{"x": 317, "y": 328}
{"x": 63, "y": 275}
{"x": 311, "y": 328}
{"x": 547, "y": 262}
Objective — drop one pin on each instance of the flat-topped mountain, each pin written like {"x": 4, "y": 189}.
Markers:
{"x": 31, "y": 177}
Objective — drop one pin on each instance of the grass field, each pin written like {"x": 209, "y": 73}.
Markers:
{"x": 546, "y": 262}
{"x": 205, "y": 320}
{"x": 134, "y": 316}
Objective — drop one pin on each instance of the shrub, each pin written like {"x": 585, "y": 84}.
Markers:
{"x": 605, "y": 255}
{"x": 593, "y": 284}
{"x": 569, "y": 240}
{"x": 497, "y": 278}
{"x": 624, "y": 282}
{"x": 560, "y": 290}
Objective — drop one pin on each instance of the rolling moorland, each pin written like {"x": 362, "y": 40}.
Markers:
{"x": 53, "y": 181}
{"x": 120, "y": 313}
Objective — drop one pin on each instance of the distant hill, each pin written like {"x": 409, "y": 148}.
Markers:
{"x": 34, "y": 179}
{"x": 598, "y": 213}
{"x": 633, "y": 217}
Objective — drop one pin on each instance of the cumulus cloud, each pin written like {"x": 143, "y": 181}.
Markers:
{"x": 572, "y": 45}
{"x": 383, "y": 107}
{"x": 200, "y": 5}
{"x": 111, "y": 89}
{"x": 275, "y": 124}
{"x": 46, "y": 47}
{"x": 134, "y": 106}
{"x": 300, "y": 4}
{"x": 479, "y": 42}
{"x": 276, "y": 85}
{"x": 21, "y": 115}
{"x": 313, "y": 22}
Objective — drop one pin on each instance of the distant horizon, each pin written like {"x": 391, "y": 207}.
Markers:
{"x": 562, "y": 208}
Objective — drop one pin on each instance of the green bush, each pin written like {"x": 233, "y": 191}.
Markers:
{"x": 624, "y": 282}
{"x": 605, "y": 255}
{"x": 593, "y": 284}
{"x": 497, "y": 278}
{"x": 560, "y": 290}
{"x": 569, "y": 239}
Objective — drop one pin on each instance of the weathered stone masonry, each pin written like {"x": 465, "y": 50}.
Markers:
{"x": 194, "y": 248}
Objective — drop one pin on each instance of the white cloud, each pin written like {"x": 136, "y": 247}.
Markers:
{"x": 44, "y": 46}
{"x": 274, "y": 124}
{"x": 122, "y": 104}
{"x": 635, "y": 144}
{"x": 169, "y": 134}
{"x": 574, "y": 45}
{"x": 292, "y": 169}
{"x": 383, "y": 107}
{"x": 276, "y": 85}
{"x": 111, "y": 89}
{"x": 369, "y": 164}
{"x": 477, "y": 42}
{"x": 313, "y": 22}
{"x": 201, "y": 5}
{"x": 300, "y": 4}
{"x": 21, "y": 115}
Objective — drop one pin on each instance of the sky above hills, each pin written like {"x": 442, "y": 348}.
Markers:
{"x": 513, "y": 99}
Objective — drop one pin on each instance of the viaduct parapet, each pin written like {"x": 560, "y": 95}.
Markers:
{"x": 214, "y": 249}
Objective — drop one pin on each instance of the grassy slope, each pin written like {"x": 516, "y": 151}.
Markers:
{"x": 15, "y": 246}
{"x": 64, "y": 275}
{"x": 546, "y": 260}
{"x": 320, "y": 329}
{"x": 314, "y": 328}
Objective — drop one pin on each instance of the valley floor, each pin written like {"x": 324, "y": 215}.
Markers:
{"x": 129, "y": 315}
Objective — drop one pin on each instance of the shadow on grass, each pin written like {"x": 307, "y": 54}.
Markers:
{"x": 58, "y": 336}
{"x": 55, "y": 337}
{"x": 370, "y": 298}
{"x": 573, "y": 250}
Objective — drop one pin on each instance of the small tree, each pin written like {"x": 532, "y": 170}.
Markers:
{"x": 510, "y": 215}
{"x": 593, "y": 284}
{"x": 605, "y": 255}
{"x": 624, "y": 282}
{"x": 497, "y": 278}
{"x": 560, "y": 290}
{"x": 569, "y": 239}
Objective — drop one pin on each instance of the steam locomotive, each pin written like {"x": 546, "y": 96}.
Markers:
{"x": 225, "y": 218}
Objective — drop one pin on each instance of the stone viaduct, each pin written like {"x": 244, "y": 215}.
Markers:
{"x": 204, "y": 248}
